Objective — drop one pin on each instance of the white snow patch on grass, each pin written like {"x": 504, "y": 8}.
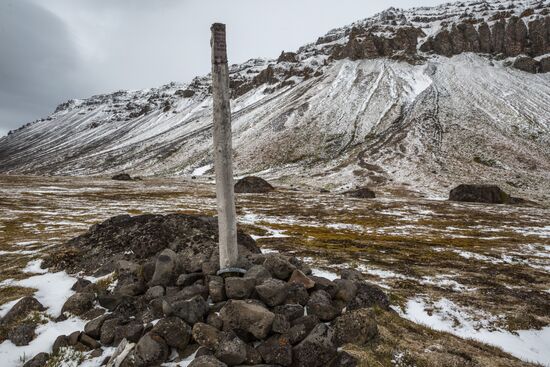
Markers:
{"x": 34, "y": 267}
{"x": 11, "y": 355}
{"x": 529, "y": 345}
{"x": 199, "y": 171}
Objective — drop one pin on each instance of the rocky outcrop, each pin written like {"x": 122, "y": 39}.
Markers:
{"x": 509, "y": 35}
{"x": 361, "y": 193}
{"x": 370, "y": 43}
{"x": 252, "y": 185}
{"x": 122, "y": 177}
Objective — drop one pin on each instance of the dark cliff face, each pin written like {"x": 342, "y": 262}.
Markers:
{"x": 510, "y": 37}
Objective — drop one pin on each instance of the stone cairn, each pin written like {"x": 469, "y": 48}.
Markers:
{"x": 277, "y": 314}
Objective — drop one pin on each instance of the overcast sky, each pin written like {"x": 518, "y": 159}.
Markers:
{"x": 54, "y": 50}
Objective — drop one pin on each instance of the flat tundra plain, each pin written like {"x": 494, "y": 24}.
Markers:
{"x": 474, "y": 270}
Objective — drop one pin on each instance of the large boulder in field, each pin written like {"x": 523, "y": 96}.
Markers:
{"x": 139, "y": 238}
{"x": 357, "y": 327}
{"x": 479, "y": 193}
{"x": 21, "y": 309}
{"x": 252, "y": 185}
{"x": 122, "y": 177}
{"x": 361, "y": 193}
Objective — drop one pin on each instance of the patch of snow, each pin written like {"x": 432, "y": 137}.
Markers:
{"x": 529, "y": 345}
{"x": 11, "y": 355}
{"x": 324, "y": 273}
{"x": 34, "y": 267}
{"x": 199, "y": 171}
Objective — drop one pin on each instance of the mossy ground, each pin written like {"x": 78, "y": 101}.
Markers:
{"x": 488, "y": 258}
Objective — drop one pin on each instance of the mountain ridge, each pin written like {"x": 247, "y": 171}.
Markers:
{"x": 388, "y": 100}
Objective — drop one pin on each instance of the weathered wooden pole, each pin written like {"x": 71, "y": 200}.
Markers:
{"x": 223, "y": 163}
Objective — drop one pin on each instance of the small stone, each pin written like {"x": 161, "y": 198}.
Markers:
{"x": 89, "y": 341}
{"x": 22, "y": 334}
{"x": 297, "y": 294}
{"x": 239, "y": 288}
{"x": 206, "y": 335}
{"x": 325, "y": 284}
{"x": 272, "y": 291}
{"x": 290, "y": 311}
{"x": 317, "y": 349}
{"x": 151, "y": 349}
{"x": 369, "y": 295}
{"x": 21, "y": 309}
{"x": 73, "y": 337}
{"x": 165, "y": 268}
{"x": 132, "y": 331}
{"x": 276, "y": 350}
{"x": 154, "y": 292}
{"x": 253, "y": 357}
{"x": 231, "y": 350}
{"x": 259, "y": 273}
{"x": 347, "y": 289}
{"x": 96, "y": 353}
{"x": 320, "y": 304}
{"x": 216, "y": 289}
{"x": 357, "y": 327}
{"x": 280, "y": 324}
{"x": 191, "y": 311}
{"x": 215, "y": 320}
{"x": 344, "y": 359}
{"x": 296, "y": 334}
{"x": 93, "y": 328}
{"x": 79, "y": 303}
{"x": 60, "y": 342}
{"x": 174, "y": 331}
{"x": 185, "y": 280}
{"x": 108, "y": 329}
{"x": 207, "y": 361}
{"x": 278, "y": 266}
{"x": 80, "y": 285}
{"x": 39, "y": 360}
{"x": 300, "y": 278}
{"x": 249, "y": 317}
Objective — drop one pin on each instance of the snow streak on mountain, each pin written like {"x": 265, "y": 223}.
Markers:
{"x": 427, "y": 97}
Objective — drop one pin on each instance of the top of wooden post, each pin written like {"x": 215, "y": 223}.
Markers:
{"x": 219, "y": 46}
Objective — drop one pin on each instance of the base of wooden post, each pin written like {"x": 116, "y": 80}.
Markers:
{"x": 231, "y": 272}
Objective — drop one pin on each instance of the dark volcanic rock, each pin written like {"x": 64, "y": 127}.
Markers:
{"x": 321, "y": 305}
{"x": 369, "y": 295}
{"x": 317, "y": 349}
{"x": 174, "y": 331}
{"x": 142, "y": 236}
{"x": 207, "y": 361}
{"x": 39, "y": 360}
{"x": 253, "y": 185}
{"x": 239, "y": 288}
{"x": 250, "y": 317}
{"x": 276, "y": 350}
{"x": 231, "y": 350}
{"x": 21, "y": 309}
{"x": 206, "y": 335}
{"x": 362, "y": 193}
{"x": 273, "y": 292}
{"x": 22, "y": 334}
{"x": 78, "y": 303}
{"x": 357, "y": 327}
{"x": 122, "y": 177}
{"x": 526, "y": 63}
{"x": 479, "y": 193}
{"x": 278, "y": 266}
{"x": 151, "y": 350}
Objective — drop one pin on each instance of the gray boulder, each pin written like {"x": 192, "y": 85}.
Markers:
{"x": 239, "y": 288}
{"x": 317, "y": 349}
{"x": 151, "y": 350}
{"x": 191, "y": 311}
{"x": 206, "y": 335}
{"x": 174, "y": 331}
{"x": 276, "y": 350}
{"x": 357, "y": 327}
{"x": 247, "y": 316}
{"x": 231, "y": 349}
{"x": 165, "y": 268}
{"x": 278, "y": 266}
{"x": 272, "y": 291}
{"x": 321, "y": 305}
{"x": 21, "y": 309}
{"x": 79, "y": 303}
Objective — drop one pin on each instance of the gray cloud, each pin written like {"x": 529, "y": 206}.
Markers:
{"x": 60, "y": 49}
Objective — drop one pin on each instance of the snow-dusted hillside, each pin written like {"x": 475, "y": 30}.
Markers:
{"x": 376, "y": 102}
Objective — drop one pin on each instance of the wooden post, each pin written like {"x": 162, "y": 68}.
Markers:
{"x": 223, "y": 165}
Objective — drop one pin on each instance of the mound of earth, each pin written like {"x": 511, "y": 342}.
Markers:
{"x": 139, "y": 238}
{"x": 491, "y": 194}
{"x": 252, "y": 185}
{"x": 362, "y": 193}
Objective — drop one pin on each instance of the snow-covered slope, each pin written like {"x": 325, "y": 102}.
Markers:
{"x": 365, "y": 104}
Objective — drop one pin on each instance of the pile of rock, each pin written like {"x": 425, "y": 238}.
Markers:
{"x": 277, "y": 314}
